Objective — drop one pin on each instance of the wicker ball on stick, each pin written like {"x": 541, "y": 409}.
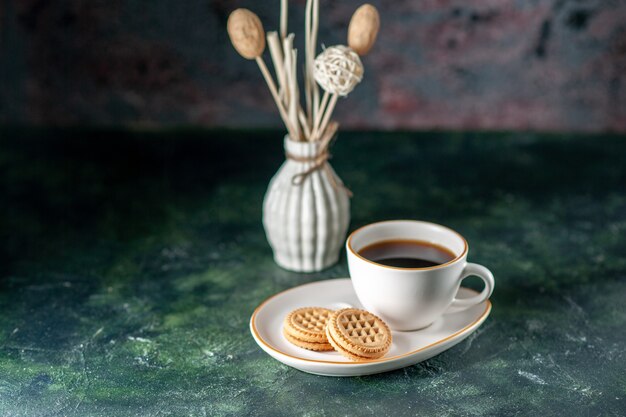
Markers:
{"x": 338, "y": 70}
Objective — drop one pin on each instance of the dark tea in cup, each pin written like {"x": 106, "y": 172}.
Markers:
{"x": 407, "y": 253}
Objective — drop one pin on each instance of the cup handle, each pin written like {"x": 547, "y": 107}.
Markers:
{"x": 487, "y": 277}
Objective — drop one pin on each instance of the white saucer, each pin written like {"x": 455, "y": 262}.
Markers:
{"x": 408, "y": 348}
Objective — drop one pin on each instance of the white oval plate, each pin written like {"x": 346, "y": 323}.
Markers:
{"x": 408, "y": 348}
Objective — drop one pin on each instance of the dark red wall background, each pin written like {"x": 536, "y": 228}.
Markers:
{"x": 491, "y": 64}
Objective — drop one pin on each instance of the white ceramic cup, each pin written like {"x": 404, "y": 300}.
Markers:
{"x": 412, "y": 298}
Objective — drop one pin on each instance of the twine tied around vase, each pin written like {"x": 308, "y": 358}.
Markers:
{"x": 319, "y": 161}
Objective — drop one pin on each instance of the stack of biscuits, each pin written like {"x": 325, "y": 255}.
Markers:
{"x": 357, "y": 334}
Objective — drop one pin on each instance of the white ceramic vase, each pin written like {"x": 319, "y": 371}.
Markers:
{"x": 305, "y": 215}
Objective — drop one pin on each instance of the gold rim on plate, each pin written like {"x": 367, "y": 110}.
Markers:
{"x": 258, "y": 337}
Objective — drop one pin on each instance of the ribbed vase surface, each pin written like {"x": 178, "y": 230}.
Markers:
{"x": 305, "y": 212}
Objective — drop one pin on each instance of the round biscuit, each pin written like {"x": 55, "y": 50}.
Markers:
{"x": 321, "y": 347}
{"x": 341, "y": 350}
{"x": 360, "y": 332}
{"x": 308, "y": 324}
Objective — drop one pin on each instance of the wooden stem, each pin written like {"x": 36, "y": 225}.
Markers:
{"x": 305, "y": 124}
{"x": 294, "y": 101}
{"x": 319, "y": 114}
{"x": 296, "y": 105}
{"x": 278, "y": 60}
{"x": 279, "y": 104}
{"x": 283, "y": 18}
{"x": 288, "y": 75}
{"x": 308, "y": 64}
{"x": 314, "y": 31}
{"x": 328, "y": 113}
{"x": 329, "y": 134}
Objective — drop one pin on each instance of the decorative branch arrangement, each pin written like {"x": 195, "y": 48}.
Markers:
{"x": 338, "y": 69}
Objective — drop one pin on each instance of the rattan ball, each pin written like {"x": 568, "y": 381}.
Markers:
{"x": 338, "y": 69}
